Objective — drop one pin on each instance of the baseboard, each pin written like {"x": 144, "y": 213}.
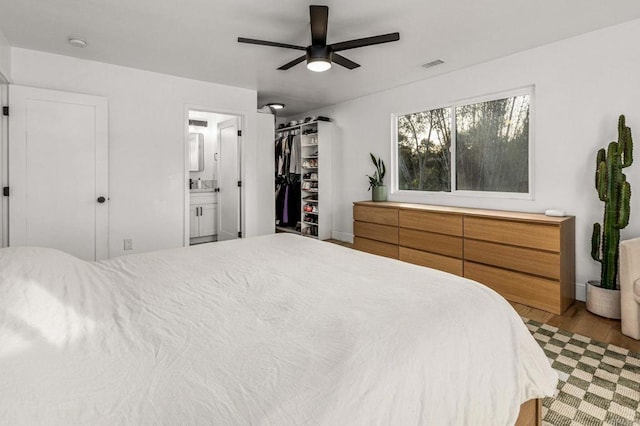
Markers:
{"x": 342, "y": 236}
{"x": 581, "y": 292}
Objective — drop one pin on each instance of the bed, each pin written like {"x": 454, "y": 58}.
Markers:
{"x": 272, "y": 330}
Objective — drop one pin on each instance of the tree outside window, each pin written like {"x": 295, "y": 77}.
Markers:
{"x": 424, "y": 157}
{"x": 490, "y": 140}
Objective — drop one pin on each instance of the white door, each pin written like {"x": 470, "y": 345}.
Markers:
{"x": 228, "y": 178}
{"x": 207, "y": 220}
{"x": 58, "y": 171}
{"x": 194, "y": 217}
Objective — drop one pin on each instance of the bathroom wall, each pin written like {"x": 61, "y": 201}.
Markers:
{"x": 210, "y": 134}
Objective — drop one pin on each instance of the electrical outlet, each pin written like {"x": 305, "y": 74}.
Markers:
{"x": 128, "y": 244}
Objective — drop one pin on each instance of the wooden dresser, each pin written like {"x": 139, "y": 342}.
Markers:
{"x": 528, "y": 258}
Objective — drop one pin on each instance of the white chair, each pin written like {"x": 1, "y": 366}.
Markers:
{"x": 630, "y": 287}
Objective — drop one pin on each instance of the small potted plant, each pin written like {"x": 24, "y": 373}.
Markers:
{"x": 603, "y": 297}
{"x": 376, "y": 182}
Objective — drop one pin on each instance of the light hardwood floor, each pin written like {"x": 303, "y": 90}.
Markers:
{"x": 578, "y": 320}
{"x": 575, "y": 319}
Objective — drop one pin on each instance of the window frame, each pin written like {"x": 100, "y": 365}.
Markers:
{"x": 456, "y": 193}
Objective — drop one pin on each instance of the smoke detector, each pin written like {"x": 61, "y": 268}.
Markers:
{"x": 77, "y": 42}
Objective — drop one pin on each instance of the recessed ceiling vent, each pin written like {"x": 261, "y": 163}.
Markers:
{"x": 432, "y": 63}
{"x": 199, "y": 123}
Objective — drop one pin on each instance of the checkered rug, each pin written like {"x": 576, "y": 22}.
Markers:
{"x": 599, "y": 383}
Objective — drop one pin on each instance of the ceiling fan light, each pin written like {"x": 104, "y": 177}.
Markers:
{"x": 318, "y": 58}
{"x": 318, "y": 65}
{"x": 275, "y": 105}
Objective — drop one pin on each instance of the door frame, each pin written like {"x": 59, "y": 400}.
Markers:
{"x": 4, "y": 163}
{"x": 185, "y": 152}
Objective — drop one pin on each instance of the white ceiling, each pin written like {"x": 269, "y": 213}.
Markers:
{"x": 198, "y": 38}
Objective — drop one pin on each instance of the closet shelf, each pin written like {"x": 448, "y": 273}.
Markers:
{"x": 305, "y": 139}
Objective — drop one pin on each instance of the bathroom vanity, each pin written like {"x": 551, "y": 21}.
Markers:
{"x": 203, "y": 206}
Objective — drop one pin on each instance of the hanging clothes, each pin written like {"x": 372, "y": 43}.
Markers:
{"x": 288, "y": 169}
{"x": 295, "y": 165}
{"x": 280, "y": 156}
{"x": 279, "y": 200}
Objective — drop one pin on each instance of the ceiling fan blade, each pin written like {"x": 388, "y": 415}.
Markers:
{"x": 269, "y": 43}
{"x": 293, "y": 63}
{"x": 341, "y": 60}
{"x": 367, "y": 41}
{"x": 319, "y": 18}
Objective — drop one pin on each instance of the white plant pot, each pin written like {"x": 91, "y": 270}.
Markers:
{"x": 602, "y": 301}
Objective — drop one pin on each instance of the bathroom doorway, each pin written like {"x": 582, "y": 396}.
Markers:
{"x": 213, "y": 170}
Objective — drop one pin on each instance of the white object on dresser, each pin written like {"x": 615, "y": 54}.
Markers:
{"x": 555, "y": 213}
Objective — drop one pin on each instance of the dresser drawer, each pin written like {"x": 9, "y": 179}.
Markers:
{"x": 373, "y": 231}
{"x": 450, "y": 224}
{"x": 520, "y": 259}
{"x": 434, "y": 243}
{"x": 522, "y": 234}
{"x": 376, "y": 247}
{"x": 431, "y": 260}
{"x": 380, "y": 215}
{"x": 521, "y": 288}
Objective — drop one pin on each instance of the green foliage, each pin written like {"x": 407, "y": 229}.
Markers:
{"x": 492, "y": 146}
{"x": 378, "y": 176}
{"x": 614, "y": 190}
{"x": 492, "y": 143}
{"x": 424, "y": 158}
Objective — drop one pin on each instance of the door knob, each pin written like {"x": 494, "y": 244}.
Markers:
{"x": 101, "y": 200}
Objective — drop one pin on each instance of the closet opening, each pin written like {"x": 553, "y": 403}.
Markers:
{"x": 213, "y": 176}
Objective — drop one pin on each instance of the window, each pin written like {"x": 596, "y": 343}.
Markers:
{"x": 490, "y": 140}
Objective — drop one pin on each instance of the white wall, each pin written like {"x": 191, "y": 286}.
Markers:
{"x": 266, "y": 168}
{"x": 146, "y": 140}
{"x": 5, "y": 58}
{"x": 581, "y": 84}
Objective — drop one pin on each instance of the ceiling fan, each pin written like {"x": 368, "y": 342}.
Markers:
{"x": 319, "y": 55}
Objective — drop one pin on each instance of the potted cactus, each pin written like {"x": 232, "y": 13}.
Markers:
{"x": 376, "y": 182}
{"x": 603, "y": 297}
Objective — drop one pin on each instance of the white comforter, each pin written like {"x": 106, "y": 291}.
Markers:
{"x": 275, "y": 330}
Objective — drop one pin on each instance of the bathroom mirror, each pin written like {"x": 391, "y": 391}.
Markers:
{"x": 196, "y": 152}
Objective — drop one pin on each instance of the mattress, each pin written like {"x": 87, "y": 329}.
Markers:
{"x": 273, "y": 330}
